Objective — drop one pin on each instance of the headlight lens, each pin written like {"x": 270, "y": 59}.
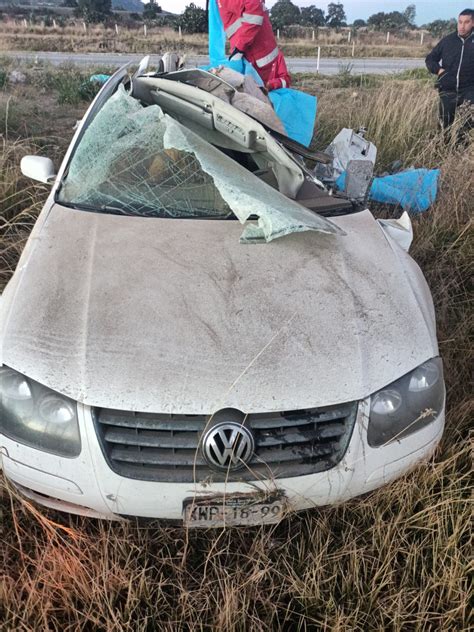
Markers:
{"x": 406, "y": 405}
{"x": 37, "y": 416}
{"x": 56, "y": 410}
{"x": 386, "y": 402}
{"x": 424, "y": 377}
{"x": 16, "y": 387}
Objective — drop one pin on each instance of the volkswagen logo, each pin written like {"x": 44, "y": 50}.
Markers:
{"x": 228, "y": 446}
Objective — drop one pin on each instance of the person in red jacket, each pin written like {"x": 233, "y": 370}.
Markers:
{"x": 250, "y": 32}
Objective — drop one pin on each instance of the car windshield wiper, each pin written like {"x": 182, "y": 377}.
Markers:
{"x": 163, "y": 213}
{"x": 114, "y": 210}
{"x": 104, "y": 208}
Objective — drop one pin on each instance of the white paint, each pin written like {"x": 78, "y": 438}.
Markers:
{"x": 350, "y": 293}
{"x": 38, "y": 168}
{"x": 177, "y": 316}
{"x": 400, "y": 230}
{"x": 106, "y": 494}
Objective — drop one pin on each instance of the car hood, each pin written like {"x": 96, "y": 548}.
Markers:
{"x": 177, "y": 316}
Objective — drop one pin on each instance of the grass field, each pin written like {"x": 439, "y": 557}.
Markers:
{"x": 73, "y": 38}
{"x": 396, "y": 559}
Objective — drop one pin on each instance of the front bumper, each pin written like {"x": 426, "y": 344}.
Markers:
{"x": 87, "y": 486}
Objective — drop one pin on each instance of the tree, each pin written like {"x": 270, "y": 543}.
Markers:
{"x": 192, "y": 20}
{"x": 440, "y": 28}
{"x": 410, "y": 14}
{"x": 377, "y": 20}
{"x": 336, "y": 16}
{"x": 359, "y": 24}
{"x": 312, "y": 16}
{"x": 151, "y": 10}
{"x": 284, "y": 13}
{"x": 393, "y": 21}
{"x": 94, "y": 10}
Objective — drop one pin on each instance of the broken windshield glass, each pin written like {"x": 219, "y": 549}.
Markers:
{"x": 121, "y": 163}
{"x": 139, "y": 161}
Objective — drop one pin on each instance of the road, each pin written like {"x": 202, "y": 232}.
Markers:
{"x": 328, "y": 65}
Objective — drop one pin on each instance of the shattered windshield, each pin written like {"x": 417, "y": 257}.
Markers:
{"x": 137, "y": 160}
{"x": 122, "y": 165}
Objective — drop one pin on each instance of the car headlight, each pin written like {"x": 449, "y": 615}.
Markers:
{"x": 407, "y": 405}
{"x": 37, "y": 416}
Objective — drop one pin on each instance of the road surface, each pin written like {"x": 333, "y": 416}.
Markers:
{"x": 328, "y": 65}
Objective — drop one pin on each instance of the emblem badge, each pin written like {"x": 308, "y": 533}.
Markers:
{"x": 228, "y": 446}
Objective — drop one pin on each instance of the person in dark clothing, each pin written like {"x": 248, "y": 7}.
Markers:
{"x": 452, "y": 60}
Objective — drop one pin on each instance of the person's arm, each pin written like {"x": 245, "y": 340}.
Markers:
{"x": 432, "y": 60}
{"x": 252, "y": 21}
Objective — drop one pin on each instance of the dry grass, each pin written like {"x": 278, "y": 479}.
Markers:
{"x": 21, "y": 202}
{"x": 396, "y": 559}
{"x": 72, "y": 38}
{"x": 400, "y": 117}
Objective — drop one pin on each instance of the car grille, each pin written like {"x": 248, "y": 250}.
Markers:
{"x": 165, "y": 448}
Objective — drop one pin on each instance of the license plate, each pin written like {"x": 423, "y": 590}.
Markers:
{"x": 226, "y": 511}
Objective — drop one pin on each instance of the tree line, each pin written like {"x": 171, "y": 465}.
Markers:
{"x": 283, "y": 14}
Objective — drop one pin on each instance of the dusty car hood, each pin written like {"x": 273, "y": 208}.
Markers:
{"x": 176, "y": 316}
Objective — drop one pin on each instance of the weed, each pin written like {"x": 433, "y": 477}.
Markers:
{"x": 73, "y": 87}
{"x": 420, "y": 74}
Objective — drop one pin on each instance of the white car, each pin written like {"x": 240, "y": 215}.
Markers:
{"x": 160, "y": 360}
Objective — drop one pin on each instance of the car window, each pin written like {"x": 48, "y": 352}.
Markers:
{"x": 122, "y": 165}
{"x": 137, "y": 160}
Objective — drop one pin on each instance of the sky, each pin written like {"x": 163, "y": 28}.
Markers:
{"x": 426, "y": 10}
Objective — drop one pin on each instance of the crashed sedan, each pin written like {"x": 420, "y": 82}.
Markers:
{"x": 200, "y": 331}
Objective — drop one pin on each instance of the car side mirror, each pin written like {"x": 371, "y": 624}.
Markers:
{"x": 38, "y": 168}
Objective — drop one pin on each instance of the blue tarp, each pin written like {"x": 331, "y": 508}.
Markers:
{"x": 216, "y": 35}
{"x": 414, "y": 190}
{"x": 99, "y": 78}
{"x": 296, "y": 109}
